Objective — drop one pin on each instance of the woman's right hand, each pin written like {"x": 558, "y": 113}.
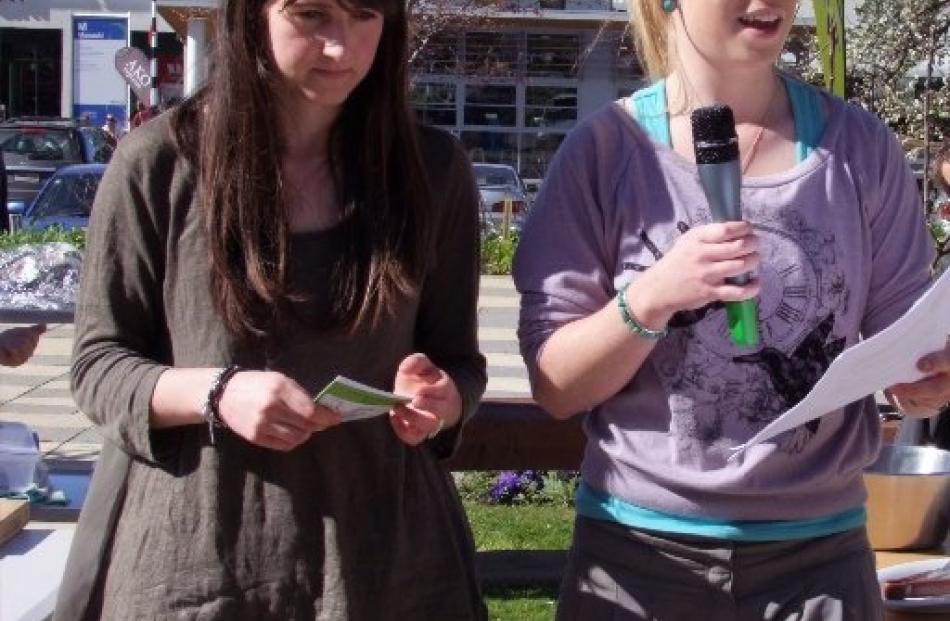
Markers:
{"x": 693, "y": 273}
{"x": 271, "y": 410}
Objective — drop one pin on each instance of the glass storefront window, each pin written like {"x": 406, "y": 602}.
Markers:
{"x": 552, "y": 55}
{"x": 434, "y": 103}
{"x": 550, "y": 107}
{"x": 490, "y": 104}
{"x": 536, "y": 153}
{"x": 439, "y": 55}
{"x": 492, "y": 147}
{"x": 491, "y": 54}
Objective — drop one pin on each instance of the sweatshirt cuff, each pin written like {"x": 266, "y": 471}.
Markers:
{"x": 470, "y": 390}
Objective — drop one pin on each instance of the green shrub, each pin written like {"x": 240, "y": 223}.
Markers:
{"x": 76, "y": 237}
{"x": 498, "y": 252}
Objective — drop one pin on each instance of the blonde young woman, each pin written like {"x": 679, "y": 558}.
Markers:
{"x": 623, "y": 278}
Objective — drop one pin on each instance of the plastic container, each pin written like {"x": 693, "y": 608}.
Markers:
{"x": 18, "y": 457}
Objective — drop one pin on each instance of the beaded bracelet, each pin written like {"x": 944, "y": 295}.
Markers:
{"x": 631, "y": 322}
{"x": 209, "y": 412}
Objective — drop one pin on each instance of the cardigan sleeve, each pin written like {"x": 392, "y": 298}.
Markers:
{"x": 120, "y": 331}
{"x": 446, "y": 327}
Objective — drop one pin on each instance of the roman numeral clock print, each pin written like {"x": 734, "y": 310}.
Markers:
{"x": 790, "y": 285}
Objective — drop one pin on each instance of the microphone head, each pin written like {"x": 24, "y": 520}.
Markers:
{"x": 714, "y": 135}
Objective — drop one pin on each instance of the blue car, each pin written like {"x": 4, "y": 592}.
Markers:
{"x": 66, "y": 198}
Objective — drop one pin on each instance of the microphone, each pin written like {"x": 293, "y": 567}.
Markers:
{"x": 717, "y": 156}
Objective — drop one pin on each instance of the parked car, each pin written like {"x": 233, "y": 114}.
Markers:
{"x": 496, "y": 184}
{"x": 35, "y": 148}
{"x": 66, "y": 198}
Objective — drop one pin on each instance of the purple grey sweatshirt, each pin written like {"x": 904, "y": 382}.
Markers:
{"x": 845, "y": 251}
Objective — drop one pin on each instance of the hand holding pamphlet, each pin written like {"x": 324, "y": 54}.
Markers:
{"x": 887, "y": 358}
{"x": 355, "y": 401}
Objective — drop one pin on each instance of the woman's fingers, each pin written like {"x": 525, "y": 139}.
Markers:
{"x": 276, "y": 442}
{"x": 271, "y": 410}
{"x": 936, "y": 362}
{"x": 695, "y": 271}
{"x": 718, "y": 232}
{"x": 414, "y": 372}
{"x": 419, "y": 365}
{"x": 930, "y": 393}
{"x": 737, "y": 293}
{"x": 301, "y": 410}
{"x": 413, "y": 426}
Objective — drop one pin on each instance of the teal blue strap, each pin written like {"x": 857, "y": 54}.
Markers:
{"x": 809, "y": 116}
{"x": 648, "y": 108}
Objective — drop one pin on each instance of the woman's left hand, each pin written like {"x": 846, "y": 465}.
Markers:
{"x": 927, "y": 396}
{"x": 435, "y": 404}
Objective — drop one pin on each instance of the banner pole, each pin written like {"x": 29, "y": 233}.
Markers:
{"x": 830, "y": 30}
{"x": 153, "y": 55}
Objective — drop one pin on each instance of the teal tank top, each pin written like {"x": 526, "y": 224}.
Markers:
{"x": 648, "y": 107}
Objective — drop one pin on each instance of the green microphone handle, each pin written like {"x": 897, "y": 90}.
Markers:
{"x": 743, "y": 319}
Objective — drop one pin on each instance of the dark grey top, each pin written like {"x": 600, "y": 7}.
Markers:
{"x": 351, "y": 525}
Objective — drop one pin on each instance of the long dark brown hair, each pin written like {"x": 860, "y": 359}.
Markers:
{"x": 230, "y": 132}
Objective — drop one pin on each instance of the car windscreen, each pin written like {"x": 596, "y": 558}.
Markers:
{"x": 40, "y": 144}
{"x": 485, "y": 177}
{"x": 67, "y": 196}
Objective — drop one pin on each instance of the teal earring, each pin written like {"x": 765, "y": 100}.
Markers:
{"x": 668, "y": 6}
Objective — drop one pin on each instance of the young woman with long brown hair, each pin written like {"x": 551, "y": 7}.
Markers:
{"x": 288, "y": 224}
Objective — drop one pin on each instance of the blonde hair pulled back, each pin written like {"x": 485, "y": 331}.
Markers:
{"x": 652, "y": 27}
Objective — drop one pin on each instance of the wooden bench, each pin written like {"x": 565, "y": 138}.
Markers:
{"x": 516, "y": 434}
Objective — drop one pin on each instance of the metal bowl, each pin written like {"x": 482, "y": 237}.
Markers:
{"x": 908, "y": 497}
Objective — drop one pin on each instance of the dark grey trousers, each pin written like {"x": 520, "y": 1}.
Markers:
{"x": 615, "y": 573}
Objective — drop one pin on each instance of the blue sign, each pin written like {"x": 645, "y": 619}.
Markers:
{"x": 98, "y": 89}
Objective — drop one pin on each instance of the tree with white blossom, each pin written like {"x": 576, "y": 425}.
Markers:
{"x": 899, "y": 68}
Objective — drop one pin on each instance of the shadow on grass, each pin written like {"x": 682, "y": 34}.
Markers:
{"x": 521, "y": 603}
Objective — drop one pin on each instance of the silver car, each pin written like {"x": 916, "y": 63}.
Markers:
{"x": 496, "y": 184}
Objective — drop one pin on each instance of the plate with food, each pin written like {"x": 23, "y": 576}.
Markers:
{"x": 920, "y": 586}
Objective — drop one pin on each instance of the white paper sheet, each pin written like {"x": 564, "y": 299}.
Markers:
{"x": 888, "y": 358}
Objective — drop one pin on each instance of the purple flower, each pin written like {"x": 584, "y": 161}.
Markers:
{"x": 510, "y": 487}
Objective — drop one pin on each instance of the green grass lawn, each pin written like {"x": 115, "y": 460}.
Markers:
{"x": 538, "y": 527}
{"x": 527, "y": 527}
{"x": 521, "y": 604}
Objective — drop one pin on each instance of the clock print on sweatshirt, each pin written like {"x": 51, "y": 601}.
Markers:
{"x": 721, "y": 394}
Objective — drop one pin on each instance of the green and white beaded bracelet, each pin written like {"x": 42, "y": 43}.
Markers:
{"x": 631, "y": 322}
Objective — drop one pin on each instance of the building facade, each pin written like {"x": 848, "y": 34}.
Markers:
{"x": 510, "y": 84}
{"x": 37, "y": 44}
{"x": 512, "y": 92}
